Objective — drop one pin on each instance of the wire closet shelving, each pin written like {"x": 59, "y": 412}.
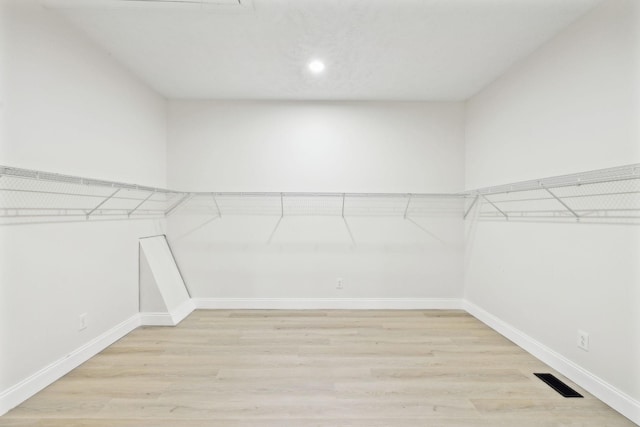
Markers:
{"x": 605, "y": 196}
{"x": 35, "y": 196}
{"x": 608, "y": 195}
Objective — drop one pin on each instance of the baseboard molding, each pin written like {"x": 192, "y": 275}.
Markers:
{"x": 618, "y": 400}
{"x": 183, "y": 310}
{"x": 168, "y": 319}
{"x": 330, "y": 303}
{"x": 156, "y": 319}
{"x": 26, "y": 388}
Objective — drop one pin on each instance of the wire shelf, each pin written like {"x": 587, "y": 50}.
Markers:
{"x": 32, "y": 196}
{"x": 603, "y": 196}
{"x": 324, "y": 204}
{"x": 608, "y": 195}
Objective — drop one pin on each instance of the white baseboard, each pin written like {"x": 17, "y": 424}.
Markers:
{"x": 618, "y": 400}
{"x": 182, "y": 311}
{"x": 156, "y": 319}
{"x": 168, "y": 319}
{"x": 329, "y": 303}
{"x": 26, "y": 388}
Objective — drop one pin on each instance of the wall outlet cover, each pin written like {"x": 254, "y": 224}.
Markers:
{"x": 82, "y": 322}
{"x": 583, "y": 340}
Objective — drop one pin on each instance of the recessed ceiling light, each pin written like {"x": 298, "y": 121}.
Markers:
{"x": 316, "y": 66}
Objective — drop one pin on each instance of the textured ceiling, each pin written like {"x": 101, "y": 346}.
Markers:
{"x": 373, "y": 49}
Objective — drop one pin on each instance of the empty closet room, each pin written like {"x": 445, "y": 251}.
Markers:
{"x": 319, "y": 213}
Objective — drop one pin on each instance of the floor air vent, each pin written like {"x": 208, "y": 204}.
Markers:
{"x": 558, "y": 385}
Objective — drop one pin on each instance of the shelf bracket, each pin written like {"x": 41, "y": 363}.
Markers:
{"x": 494, "y": 205}
{"x": 141, "y": 203}
{"x": 562, "y": 203}
{"x": 217, "y": 207}
{"x": 273, "y": 232}
{"x": 475, "y": 200}
{"x": 406, "y": 208}
{"x": 346, "y": 224}
{"x": 177, "y": 204}
{"x": 102, "y": 203}
{"x": 281, "y": 205}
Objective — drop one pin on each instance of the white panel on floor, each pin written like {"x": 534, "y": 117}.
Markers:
{"x": 164, "y": 299}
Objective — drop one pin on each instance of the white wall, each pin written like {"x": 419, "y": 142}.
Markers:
{"x": 317, "y": 147}
{"x": 570, "y": 107}
{"x": 69, "y": 108}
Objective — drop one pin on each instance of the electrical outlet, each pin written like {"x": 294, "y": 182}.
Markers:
{"x": 583, "y": 340}
{"x": 82, "y": 322}
{"x": 339, "y": 283}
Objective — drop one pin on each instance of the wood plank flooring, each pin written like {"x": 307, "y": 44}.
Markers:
{"x": 312, "y": 368}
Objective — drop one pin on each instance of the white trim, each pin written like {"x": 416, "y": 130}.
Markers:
{"x": 168, "y": 319}
{"x": 26, "y": 388}
{"x": 330, "y": 303}
{"x": 617, "y": 399}
{"x": 182, "y": 311}
{"x": 156, "y": 319}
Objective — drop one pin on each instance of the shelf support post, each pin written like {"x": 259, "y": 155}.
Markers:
{"x": 346, "y": 224}
{"x": 177, "y": 204}
{"x": 475, "y": 200}
{"x": 102, "y": 203}
{"x": 406, "y": 208}
{"x": 494, "y": 205}
{"x": 141, "y": 203}
{"x": 217, "y": 207}
{"x": 562, "y": 203}
{"x": 279, "y": 219}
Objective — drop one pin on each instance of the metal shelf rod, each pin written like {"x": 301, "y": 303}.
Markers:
{"x": 621, "y": 173}
{"x": 79, "y": 209}
{"x": 85, "y": 191}
{"x": 58, "y": 193}
{"x": 69, "y": 179}
{"x": 336, "y": 195}
{"x": 573, "y": 196}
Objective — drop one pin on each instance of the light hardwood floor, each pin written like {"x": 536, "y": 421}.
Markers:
{"x": 312, "y": 368}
